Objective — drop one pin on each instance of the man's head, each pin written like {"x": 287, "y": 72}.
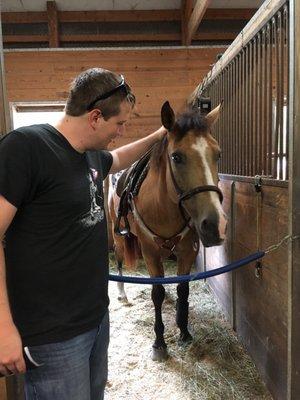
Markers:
{"x": 98, "y": 88}
{"x": 103, "y": 100}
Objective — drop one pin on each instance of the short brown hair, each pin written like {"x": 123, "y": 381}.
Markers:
{"x": 91, "y": 84}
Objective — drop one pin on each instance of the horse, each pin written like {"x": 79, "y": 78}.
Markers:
{"x": 177, "y": 203}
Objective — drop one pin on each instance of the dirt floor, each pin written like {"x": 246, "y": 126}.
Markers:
{"x": 213, "y": 367}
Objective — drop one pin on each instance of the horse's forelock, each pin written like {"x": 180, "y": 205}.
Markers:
{"x": 190, "y": 120}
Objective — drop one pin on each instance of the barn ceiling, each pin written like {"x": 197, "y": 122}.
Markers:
{"x": 94, "y": 23}
{"x": 75, "y": 5}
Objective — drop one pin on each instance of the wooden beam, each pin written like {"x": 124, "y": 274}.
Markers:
{"x": 4, "y": 109}
{"x": 52, "y": 24}
{"x": 25, "y": 38}
{"x": 23, "y": 17}
{"x": 131, "y": 37}
{"x": 230, "y": 13}
{"x": 207, "y": 36}
{"x": 126, "y": 16}
{"x": 186, "y": 11}
{"x": 195, "y": 19}
{"x": 119, "y": 16}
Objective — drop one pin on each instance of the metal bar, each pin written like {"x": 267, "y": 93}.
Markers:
{"x": 277, "y": 94}
{"x": 269, "y": 96}
{"x": 258, "y": 107}
{"x": 263, "y": 15}
{"x": 250, "y": 179}
{"x": 240, "y": 130}
{"x": 254, "y": 111}
{"x": 236, "y": 109}
{"x": 287, "y": 74}
{"x": 247, "y": 75}
{"x": 263, "y": 153}
{"x": 250, "y": 135}
{"x": 281, "y": 94}
{"x": 231, "y": 118}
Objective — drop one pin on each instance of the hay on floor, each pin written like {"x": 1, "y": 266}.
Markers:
{"x": 213, "y": 367}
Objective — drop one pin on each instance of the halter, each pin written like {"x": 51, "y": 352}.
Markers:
{"x": 190, "y": 193}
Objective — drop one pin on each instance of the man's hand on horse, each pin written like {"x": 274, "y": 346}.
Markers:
{"x": 161, "y": 132}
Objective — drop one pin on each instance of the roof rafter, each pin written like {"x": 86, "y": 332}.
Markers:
{"x": 195, "y": 19}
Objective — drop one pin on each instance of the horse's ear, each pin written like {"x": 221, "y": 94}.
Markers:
{"x": 213, "y": 116}
{"x": 167, "y": 116}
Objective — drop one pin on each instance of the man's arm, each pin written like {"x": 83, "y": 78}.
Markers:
{"x": 126, "y": 155}
{"x": 11, "y": 355}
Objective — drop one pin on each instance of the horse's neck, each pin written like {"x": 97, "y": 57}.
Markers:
{"x": 156, "y": 205}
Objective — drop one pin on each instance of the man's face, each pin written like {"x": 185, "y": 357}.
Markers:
{"x": 114, "y": 126}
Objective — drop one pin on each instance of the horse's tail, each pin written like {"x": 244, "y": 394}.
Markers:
{"x": 131, "y": 251}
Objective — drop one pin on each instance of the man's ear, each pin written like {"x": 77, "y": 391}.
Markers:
{"x": 213, "y": 116}
{"x": 167, "y": 116}
{"x": 94, "y": 115}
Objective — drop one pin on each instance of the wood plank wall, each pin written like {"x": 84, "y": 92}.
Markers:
{"x": 2, "y": 389}
{"x": 257, "y": 307}
{"x": 156, "y": 75}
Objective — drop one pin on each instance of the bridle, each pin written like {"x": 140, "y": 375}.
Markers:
{"x": 182, "y": 195}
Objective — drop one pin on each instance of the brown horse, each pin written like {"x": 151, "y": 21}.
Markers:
{"x": 178, "y": 202}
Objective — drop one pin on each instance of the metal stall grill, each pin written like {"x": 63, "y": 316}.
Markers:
{"x": 253, "y": 84}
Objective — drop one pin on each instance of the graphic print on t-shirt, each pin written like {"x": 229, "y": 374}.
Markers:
{"x": 96, "y": 213}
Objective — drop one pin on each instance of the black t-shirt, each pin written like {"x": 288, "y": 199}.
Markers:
{"x": 56, "y": 246}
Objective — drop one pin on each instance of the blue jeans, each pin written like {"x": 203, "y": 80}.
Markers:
{"x": 75, "y": 369}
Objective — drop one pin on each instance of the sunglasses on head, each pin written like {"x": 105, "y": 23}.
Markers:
{"x": 121, "y": 86}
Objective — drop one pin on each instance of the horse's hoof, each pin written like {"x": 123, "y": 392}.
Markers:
{"x": 185, "y": 338}
{"x": 159, "y": 353}
{"x": 123, "y": 299}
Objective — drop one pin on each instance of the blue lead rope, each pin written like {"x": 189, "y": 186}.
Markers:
{"x": 188, "y": 278}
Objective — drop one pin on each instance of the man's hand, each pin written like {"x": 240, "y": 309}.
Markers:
{"x": 11, "y": 351}
{"x": 161, "y": 132}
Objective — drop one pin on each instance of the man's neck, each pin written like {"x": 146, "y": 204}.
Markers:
{"x": 72, "y": 128}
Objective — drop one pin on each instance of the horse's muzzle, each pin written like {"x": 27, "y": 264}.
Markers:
{"x": 210, "y": 232}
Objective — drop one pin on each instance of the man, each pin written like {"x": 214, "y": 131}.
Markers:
{"x": 54, "y": 266}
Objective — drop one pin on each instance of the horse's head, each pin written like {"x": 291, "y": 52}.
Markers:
{"x": 192, "y": 170}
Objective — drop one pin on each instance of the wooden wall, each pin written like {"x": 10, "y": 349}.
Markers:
{"x": 257, "y": 307}
{"x": 156, "y": 75}
{"x": 2, "y": 389}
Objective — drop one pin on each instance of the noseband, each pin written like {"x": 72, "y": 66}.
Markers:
{"x": 182, "y": 196}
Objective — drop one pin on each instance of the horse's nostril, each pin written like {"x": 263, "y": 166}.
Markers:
{"x": 209, "y": 225}
{"x": 204, "y": 224}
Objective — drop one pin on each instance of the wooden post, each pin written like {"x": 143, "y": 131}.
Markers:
{"x": 294, "y": 207}
{"x": 186, "y": 11}
{"x": 52, "y": 24}
{"x": 4, "y": 109}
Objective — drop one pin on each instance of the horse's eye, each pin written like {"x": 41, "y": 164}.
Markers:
{"x": 177, "y": 158}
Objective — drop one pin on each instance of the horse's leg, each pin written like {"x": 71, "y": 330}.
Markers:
{"x": 185, "y": 258}
{"x": 182, "y": 311}
{"x": 118, "y": 250}
{"x": 159, "y": 348}
{"x": 121, "y": 291}
{"x": 156, "y": 269}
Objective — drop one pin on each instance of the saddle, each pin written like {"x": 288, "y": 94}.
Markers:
{"x": 128, "y": 186}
